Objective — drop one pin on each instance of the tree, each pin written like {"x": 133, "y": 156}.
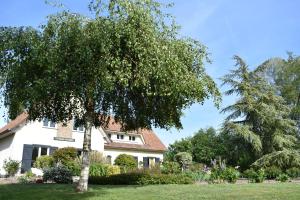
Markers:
{"x": 207, "y": 145}
{"x": 259, "y": 116}
{"x": 184, "y": 159}
{"x": 285, "y": 76}
{"x": 204, "y": 146}
{"x": 128, "y": 61}
{"x": 183, "y": 145}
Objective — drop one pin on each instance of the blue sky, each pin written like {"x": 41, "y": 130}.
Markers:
{"x": 255, "y": 30}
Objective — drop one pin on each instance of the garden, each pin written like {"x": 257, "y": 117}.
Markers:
{"x": 64, "y": 165}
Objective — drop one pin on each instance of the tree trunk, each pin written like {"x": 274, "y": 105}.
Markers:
{"x": 84, "y": 175}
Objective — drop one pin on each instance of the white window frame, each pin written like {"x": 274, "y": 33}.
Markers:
{"x": 48, "y": 124}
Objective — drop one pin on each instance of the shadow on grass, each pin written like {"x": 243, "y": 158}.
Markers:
{"x": 48, "y": 191}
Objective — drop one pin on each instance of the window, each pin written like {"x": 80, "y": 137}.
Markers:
{"x": 35, "y": 154}
{"x": 44, "y": 151}
{"x": 48, "y": 123}
{"x": 132, "y": 138}
{"x": 120, "y": 137}
{"x": 108, "y": 159}
{"x": 76, "y": 127}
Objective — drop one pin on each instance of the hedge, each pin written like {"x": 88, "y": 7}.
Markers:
{"x": 141, "y": 179}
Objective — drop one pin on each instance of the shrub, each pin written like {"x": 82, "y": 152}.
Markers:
{"x": 11, "y": 167}
{"x": 28, "y": 177}
{"x": 282, "y": 178}
{"x": 140, "y": 179}
{"x": 24, "y": 180}
{"x": 113, "y": 170}
{"x": 272, "y": 172}
{"x": 249, "y": 173}
{"x": 197, "y": 176}
{"x": 293, "y": 172}
{"x": 170, "y": 168}
{"x": 230, "y": 175}
{"x": 196, "y": 167}
{"x": 255, "y": 176}
{"x": 64, "y": 155}
{"x": 155, "y": 179}
{"x": 58, "y": 174}
{"x": 184, "y": 159}
{"x": 44, "y": 162}
{"x": 216, "y": 176}
{"x": 97, "y": 157}
{"x": 98, "y": 169}
{"x": 126, "y": 162}
{"x": 74, "y": 167}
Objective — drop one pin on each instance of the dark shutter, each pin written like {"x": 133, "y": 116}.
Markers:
{"x": 146, "y": 162}
{"x": 136, "y": 160}
{"x": 52, "y": 149}
{"x": 157, "y": 161}
{"x": 26, "y": 158}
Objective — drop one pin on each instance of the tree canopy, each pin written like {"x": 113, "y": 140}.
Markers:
{"x": 127, "y": 61}
{"x": 259, "y": 116}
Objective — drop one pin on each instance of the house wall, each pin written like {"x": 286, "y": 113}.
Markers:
{"x": 33, "y": 133}
{"x": 115, "y": 152}
{"x": 6, "y": 150}
{"x": 138, "y": 138}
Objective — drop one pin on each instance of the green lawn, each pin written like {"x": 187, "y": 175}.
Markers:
{"x": 286, "y": 191}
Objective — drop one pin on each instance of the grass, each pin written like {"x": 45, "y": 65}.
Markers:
{"x": 290, "y": 191}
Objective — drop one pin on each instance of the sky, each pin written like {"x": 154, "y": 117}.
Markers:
{"x": 256, "y": 30}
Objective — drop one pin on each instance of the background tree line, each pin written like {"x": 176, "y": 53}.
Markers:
{"x": 262, "y": 128}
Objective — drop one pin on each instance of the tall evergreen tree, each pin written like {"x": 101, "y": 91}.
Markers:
{"x": 284, "y": 74}
{"x": 259, "y": 116}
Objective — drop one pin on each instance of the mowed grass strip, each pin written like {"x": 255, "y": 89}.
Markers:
{"x": 289, "y": 191}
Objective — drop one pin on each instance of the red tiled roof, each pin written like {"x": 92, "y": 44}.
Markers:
{"x": 14, "y": 123}
{"x": 152, "y": 142}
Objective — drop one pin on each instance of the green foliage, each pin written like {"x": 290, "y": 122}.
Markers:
{"x": 125, "y": 61}
{"x": 73, "y": 166}
{"x": 96, "y": 157}
{"x": 65, "y": 155}
{"x": 58, "y": 175}
{"x": 155, "y": 179}
{"x": 272, "y": 172}
{"x": 284, "y": 74}
{"x": 141, "y": 179}
{"x": 196, "y": 167}
{"x": 98, "y": 169}
{"x": 230, "y": 175}
{"x": 206, "y": 145}
{"x": 44, "y": 162}
{"x": 293, "y": 172}
{"x": 169, "y": 167}
{"x": 263, "y": 118}
{"x": 282, "y": 178}
{"x": 183, "y": 145}
{"x": 184, "y": 159}
{"x": 203, "y": 146}
{"x": 27, "y": 178}
{"x": 11, "y": 167}
{"x": 126, "y": 162}
{"x": 216, "y": 176}
{"x": 283, "y": 159}
{"x": 138, "y": 55}
{"x": 255, "y": 176}
{"x": 197, "y": 176}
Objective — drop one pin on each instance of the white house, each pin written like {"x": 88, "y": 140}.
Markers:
{"x": 24, "y": 140}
